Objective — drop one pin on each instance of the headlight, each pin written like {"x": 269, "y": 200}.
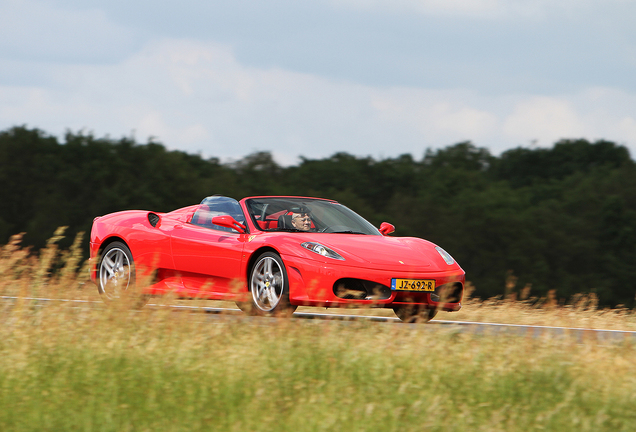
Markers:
{"x": 445, "y": 255}
{"x": 322, "y": 250}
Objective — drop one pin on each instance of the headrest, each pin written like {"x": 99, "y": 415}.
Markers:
{"x": 284, "y": 221}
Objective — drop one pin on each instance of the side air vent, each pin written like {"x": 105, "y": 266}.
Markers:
{"x": 448, "y": 293}
{"x": 153, "y": 219}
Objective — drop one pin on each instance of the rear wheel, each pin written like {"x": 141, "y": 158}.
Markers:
{"x": 269, "y": 287}
{"x": 116, "y": 276}
{"x": 415, "y": 313}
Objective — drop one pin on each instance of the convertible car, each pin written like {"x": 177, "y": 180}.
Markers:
{"x": 270, "y": 255}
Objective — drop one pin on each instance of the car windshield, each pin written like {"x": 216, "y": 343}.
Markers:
{"x": 217, "y": 206}
{"x": 306, "y": 215}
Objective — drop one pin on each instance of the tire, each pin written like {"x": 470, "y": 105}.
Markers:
{"x": 116, "y": 276}
{"x": 414, "y": 314}
{"x": 269, "y": 287}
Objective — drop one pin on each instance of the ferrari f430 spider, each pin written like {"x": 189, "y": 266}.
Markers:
{"x": 271, "y": 254}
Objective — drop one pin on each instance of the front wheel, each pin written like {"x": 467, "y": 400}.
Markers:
{"x": 412, "y": 314}
{"x": 269, "y": 287}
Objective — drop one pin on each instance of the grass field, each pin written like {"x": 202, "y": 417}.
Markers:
{"x": 64, "y": 367}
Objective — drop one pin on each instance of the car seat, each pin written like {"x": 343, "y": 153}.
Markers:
{"x": 284, "y": 221}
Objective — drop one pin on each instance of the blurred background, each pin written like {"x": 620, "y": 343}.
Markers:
{"x": 502, "y": 130}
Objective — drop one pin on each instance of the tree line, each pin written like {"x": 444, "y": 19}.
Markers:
{"x": 560, "y": 218}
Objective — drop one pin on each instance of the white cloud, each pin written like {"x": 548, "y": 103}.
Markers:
{"x": 475, "y": 8}
{"x": 198, "y": 97}
{"x": 434, "y": 114}
{"x": 627, "y": 128}
{"x": 543, "y": 118}
{"x": 424, "y": 6}
{"x": 595, "y": 113}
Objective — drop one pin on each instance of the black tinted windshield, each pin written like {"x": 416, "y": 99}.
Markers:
{"x": 306, "y": 215}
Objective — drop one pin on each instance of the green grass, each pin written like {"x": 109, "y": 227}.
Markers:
{"x": 102, "y": 370}
{"x": 69, "y": 368}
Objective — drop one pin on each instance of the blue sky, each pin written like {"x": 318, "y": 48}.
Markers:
{"x": 311, "y": 78}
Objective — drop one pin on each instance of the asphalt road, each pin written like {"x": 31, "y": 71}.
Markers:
{"x": 582, "y": 334}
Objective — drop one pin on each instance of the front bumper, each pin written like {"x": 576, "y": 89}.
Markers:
{"x": 314, "y": 283}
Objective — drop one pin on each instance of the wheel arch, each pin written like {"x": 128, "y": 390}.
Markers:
{"x": 254, "y": 256}
{"x": 107, "y": 241}
{"x": 110, "y": 240}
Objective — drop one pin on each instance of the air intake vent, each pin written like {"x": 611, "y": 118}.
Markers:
{"x": 360, "y": 289}
{"x": 153, "y": 219}
{"x": 448, "y": 293}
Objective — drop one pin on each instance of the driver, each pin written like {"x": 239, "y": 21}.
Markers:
{"x": 301, "y": 221}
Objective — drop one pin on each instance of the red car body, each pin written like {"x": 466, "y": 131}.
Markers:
{"x": 175, "y": 253}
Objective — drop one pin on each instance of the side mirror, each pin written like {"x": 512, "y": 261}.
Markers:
{"x": 229, "y": 222}
{"x": 386, "y": 228}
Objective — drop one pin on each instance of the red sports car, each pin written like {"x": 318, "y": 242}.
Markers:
{"x": 272, "y": 254}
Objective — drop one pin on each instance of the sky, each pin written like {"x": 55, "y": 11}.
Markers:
{"x": 296, "y": 78}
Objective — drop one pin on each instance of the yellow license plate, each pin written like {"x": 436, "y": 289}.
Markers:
{"x": 413, "y": 284}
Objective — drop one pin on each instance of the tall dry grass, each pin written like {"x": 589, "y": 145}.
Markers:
{"x": 63, "y": 274}
{"x": 65, "y": 366}
{"x": 580, "y": 311}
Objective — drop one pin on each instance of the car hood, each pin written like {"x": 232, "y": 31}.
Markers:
{"x": 380, "y": 252}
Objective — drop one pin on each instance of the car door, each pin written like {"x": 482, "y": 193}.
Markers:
{"x": 208, "y": 257}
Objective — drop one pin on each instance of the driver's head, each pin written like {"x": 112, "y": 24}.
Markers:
{"x": 301, "y": 221}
